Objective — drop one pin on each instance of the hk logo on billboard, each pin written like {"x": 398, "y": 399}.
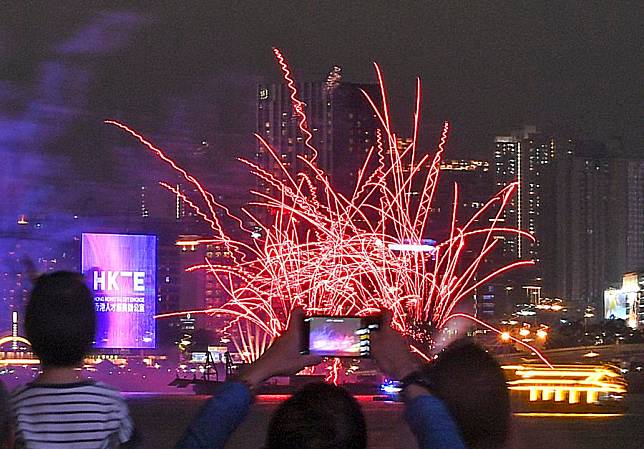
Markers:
{"x": 109, "y": 280}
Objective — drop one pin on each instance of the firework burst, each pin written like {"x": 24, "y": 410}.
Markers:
{"x": 346, "y": 254}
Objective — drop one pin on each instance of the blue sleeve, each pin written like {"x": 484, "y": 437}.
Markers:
{"x": 218, "y": 418}
{"x": 432, "y": 424}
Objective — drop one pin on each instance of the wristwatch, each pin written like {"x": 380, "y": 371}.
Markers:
{"x": 417, "y": 378}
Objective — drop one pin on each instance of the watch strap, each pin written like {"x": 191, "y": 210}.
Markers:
{"x": 417, "y": 378}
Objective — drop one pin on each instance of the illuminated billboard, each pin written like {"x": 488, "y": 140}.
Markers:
{"x": 626, "y": 303}
{"x": 121, "y": 269}
{"x": 616, "y": 305}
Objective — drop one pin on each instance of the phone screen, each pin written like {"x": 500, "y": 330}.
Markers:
{"x": 339, "y": 336}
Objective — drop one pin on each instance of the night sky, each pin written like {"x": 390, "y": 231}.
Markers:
{"x": 572, "y": 68}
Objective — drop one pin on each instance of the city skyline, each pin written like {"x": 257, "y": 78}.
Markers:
{"x": 202, "y": 105}
{"x": 197, "y": 81}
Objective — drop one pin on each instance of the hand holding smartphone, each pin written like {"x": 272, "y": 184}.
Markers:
{"x": 338, "y": 336}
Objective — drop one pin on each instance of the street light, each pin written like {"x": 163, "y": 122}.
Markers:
{"x": 505, "y": 336}
{"x": 542, "y": 334}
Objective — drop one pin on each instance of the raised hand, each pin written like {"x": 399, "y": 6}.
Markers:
{"x": 283, "y": 356}
{"x": 391, "y": 352}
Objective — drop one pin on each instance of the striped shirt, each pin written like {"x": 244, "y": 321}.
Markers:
{"x": 83, "y": 415}
{"x": 4, "y": 414}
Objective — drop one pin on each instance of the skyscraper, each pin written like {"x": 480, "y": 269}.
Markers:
{"x": 523, "y": 156}
{"x": 633, "y": 210}
{"x": 199, "y": 289}
{"x": 625, "y": 251}
{"x": 340, "y": 119}
{"x": 576, "y": 268}
{"x": 475, "y": 183}
{"x": 597, "y": 201}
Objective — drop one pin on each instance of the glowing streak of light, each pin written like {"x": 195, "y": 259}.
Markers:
{"x": 298, "y": 106}
{"x": 424, "y": 356}
{"x": 333, "y": 376}
{"x": 494, "y": 329}
{"x": 191, "y": 204}
{"x": 567, "y": 415}
{"x": 412, "y": 248}
{"x": 208, "y": 197}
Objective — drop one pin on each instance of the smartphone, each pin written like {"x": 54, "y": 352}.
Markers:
{"x": 338, "y": 336}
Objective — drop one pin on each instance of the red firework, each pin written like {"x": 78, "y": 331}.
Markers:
{"x": 326, "y": 252}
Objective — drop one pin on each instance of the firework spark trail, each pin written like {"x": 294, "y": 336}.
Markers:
{"x": 333, "y": 376}
{"x": 298, "y": 106}
{"x": 335, "y": 257}
{"x": 191, "y": 204}
{"x": 494, "y": 329}
{"x": 208, "y": 197}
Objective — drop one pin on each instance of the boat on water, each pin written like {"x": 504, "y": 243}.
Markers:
{"x": 566, "y": 388}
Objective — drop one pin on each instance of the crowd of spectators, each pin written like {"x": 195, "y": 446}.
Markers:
{"x": 460, "y": 400}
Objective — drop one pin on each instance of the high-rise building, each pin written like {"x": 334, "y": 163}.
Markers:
{"x": 342, "y": 123}
{"x": 577, "y": 249}
{"x": 628, "y": 215}
{"x": 200, "y": 289}
{"x": 476, "y": 186}
{"x": 475, "y": 183}
{"x": 523, "y": 156}
{"x": 507, "y": 169}
{"x": 597, "y": 204}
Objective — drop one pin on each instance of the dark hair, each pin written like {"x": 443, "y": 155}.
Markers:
{"x": 60, "y": 320}
{"x": 319, "y": 416}
{"x": 472, "y": 384}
